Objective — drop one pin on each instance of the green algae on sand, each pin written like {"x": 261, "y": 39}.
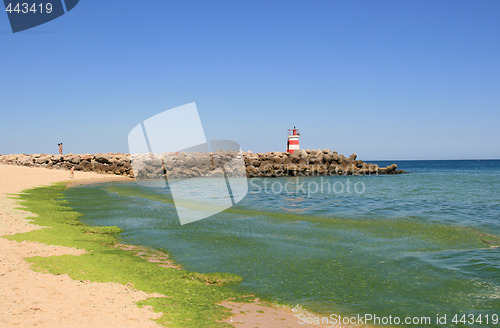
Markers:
{"x": 191, "y": 298}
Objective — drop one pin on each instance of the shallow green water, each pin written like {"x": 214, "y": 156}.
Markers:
{"x": 408, "y": 245}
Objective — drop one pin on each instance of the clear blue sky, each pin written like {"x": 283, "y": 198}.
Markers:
{"x": 384, "y": 79}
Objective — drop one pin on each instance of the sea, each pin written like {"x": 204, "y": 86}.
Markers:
{"x": 416, "y": 245}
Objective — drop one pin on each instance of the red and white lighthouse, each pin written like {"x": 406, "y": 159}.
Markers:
{"x": 292, "y": 143}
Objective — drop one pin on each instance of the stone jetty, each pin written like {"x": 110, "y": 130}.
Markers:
{"x": 183, "y": 165}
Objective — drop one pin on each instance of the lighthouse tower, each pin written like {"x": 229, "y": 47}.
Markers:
{"x": 292, "y": 143}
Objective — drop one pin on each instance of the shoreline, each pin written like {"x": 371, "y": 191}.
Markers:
{"x": 139, "y": 317}
{"x": 259, "y": 312}
{"x": 256, "y": 313}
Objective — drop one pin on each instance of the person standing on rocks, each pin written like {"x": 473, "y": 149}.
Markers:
{"x": 60, "y": 148}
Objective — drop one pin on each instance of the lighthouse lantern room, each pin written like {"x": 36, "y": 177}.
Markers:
{"x": 292, "y": 143}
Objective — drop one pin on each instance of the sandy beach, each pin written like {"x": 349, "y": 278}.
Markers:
{"x": 32, "y": 299}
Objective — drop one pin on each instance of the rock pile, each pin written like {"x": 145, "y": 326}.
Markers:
{"x": 183, "y": 165}
{"x": 109, "y": 163}
{"x": 311, "y": 163}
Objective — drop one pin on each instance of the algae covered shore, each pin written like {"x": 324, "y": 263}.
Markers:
{"x": 186, "y": 299}
{"x": 326, "y": 260}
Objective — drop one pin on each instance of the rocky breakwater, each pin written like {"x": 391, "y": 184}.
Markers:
{"x": 107, "y": 163}
{"x": 311, "y": 163}
{"x": 185, "y": 165}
